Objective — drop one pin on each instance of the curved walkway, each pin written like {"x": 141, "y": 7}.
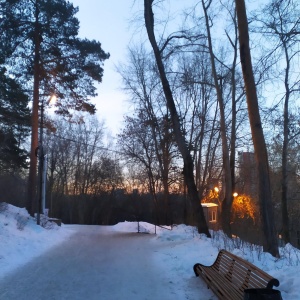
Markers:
{"x": 96, "y": 263}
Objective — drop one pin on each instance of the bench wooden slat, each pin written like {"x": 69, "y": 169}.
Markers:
{"x": 230, "y": 275}
{"x": 215, "y": 283}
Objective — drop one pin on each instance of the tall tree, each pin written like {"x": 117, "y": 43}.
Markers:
{"x": 48, "y": 57}
{"x": 200, "y": 116}
{"x": 270, "y": 243}
{"x": 280, "y": 24}
{"x": 218, "y": 78}
{"x": 179, "y": 136}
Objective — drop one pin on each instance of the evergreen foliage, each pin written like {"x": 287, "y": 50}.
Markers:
{"x": 68, "y": 65}
{"x": 14, "y": 124}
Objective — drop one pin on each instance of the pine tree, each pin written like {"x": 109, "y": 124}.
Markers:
{"x": 46, "y": 56}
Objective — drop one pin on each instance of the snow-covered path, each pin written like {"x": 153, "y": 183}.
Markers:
{"x": 96, "y": 263}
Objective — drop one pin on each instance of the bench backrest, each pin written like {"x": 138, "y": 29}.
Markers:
{"x": 242, "y": 273}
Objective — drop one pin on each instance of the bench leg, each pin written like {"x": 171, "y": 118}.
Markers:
{"x": 194, "y": 268}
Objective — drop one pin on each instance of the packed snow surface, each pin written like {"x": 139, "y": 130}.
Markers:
{"x": 117, "y": 262}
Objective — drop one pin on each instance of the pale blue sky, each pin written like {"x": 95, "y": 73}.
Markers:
{"x": 107, "y": 22}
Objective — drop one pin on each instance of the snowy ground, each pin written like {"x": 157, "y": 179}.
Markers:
{"x": 116, "y": 262}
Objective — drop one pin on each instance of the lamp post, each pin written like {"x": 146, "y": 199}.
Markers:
{"x": 41, "y": 156}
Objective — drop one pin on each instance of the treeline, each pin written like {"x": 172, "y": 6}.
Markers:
{"x": 78, "y": 162}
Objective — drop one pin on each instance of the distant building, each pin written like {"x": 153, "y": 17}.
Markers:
{"x": 211, "y": 215}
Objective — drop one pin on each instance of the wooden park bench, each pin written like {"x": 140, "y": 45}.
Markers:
{"x": 230, "y": 275}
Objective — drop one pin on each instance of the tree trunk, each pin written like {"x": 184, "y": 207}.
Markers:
{"x": 284, "y": 180}
{"x": 228, "y": 199}
{"x": 234, "y": 44}
{"x": 270, "y": 243}
{"x": 32, "y": 199}
{"x": 181, "y": 143}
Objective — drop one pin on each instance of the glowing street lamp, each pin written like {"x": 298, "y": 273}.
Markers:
{"x": 52, "y": 99}
{"x": 235, "y": 194}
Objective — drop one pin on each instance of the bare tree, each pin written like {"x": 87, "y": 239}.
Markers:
{"x": 137, "y": 146}
{"x": 141, "y": 82}
{"x": 199, "y": 114}
{"x": 270, "y": 243}
{"x": 217, "y": 78}
{"x": 180, "y": 139}
{"x": 280, "y": 24}
{"x": 74, "y": 151}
